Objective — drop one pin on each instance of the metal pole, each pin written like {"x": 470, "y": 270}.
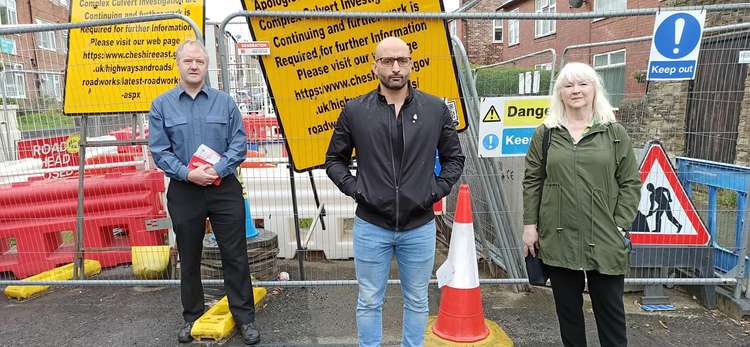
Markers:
{"x": 741, "y": 254}
{"x": 468, "y": 80}
{"x": 482, "y": 15}
{"x": 511, "y": 266}
{"x": 78, "y": 270}
{"x": 646, "y": 38}
{"x": 5, "y": 111}
{"x": 317, "y": 201}
{"x": 298, "y": 237}
{"x": 331, "y": 283}
{"x": 33, "y": 28}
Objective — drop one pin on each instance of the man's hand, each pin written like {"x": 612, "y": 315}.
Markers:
{"x": 202, "y": 175}
{"x": 530, "y": 239}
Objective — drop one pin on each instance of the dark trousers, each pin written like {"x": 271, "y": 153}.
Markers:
{"x": 189, "y": 205}
{"x": 606, "y": 292}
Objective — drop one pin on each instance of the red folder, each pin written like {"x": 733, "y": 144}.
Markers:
{"x": 202, "y": 156}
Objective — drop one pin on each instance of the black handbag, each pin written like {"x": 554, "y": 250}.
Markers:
{"x": 538, "y": 275}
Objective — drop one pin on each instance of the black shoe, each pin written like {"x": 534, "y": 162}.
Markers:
{"x": 183, "y": 335}
{"x": 250, "y": 335}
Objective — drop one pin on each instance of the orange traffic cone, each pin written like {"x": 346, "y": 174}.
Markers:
{"x": 461, "y": 317}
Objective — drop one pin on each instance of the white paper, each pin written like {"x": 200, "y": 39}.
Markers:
{"x": 206, "y": 153}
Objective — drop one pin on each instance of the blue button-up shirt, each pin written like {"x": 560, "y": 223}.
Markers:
{"x": 178, "y": 124}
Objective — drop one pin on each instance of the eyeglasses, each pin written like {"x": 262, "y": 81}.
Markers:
{"x": 388, "y": 61}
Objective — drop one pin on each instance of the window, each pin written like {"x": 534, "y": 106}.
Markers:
{"x": 545, "y": 66}
{"x": 62, "y": 44}
{"x": 611, "y": 66}
{"x": 514, "y": 35}
{"x": 45, "y": 39}
{"x": 610, "y": 5}
{"x": 8, "y": 14}
{"x": 50, "y": 86}
{"x": 497, "y": 30}
{"x": 545, "y": 27}
{"x": 14, "y": 82}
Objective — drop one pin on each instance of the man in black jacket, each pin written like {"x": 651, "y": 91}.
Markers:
{"x": 395, "y": 130}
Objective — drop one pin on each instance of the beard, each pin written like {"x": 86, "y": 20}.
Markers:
{"x": 398, "y": 84}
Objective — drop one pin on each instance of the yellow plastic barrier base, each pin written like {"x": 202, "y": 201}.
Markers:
{"x": 217, "y": 323}
{"x": 150, "y": 262}
{"x": 496, "y": 338}
{"x": 61, "y": 273}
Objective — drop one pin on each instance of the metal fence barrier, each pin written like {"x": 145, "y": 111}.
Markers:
{"x": 315, "y": 248}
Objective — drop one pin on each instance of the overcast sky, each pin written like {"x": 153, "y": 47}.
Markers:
{"x": 218, "y": 13}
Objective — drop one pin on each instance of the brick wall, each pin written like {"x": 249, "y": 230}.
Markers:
{"x": 477, "y": 36}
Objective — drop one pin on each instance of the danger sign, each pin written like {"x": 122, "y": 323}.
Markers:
{"x": 317, "y": 65}
{"x": 666, "y": 215}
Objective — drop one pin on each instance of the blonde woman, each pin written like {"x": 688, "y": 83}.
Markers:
{"x": 579, "y": 194}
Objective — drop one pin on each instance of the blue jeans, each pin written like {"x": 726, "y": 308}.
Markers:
{"x": 415, "y": 253}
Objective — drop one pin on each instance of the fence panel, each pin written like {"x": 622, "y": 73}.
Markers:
{"x": 321, "y": 247}
{"x": 121, "y": 219}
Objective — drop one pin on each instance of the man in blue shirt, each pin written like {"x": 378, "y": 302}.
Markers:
{"x": 180, "y": 121}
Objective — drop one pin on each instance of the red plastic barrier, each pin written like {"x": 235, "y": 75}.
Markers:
{"x": 36, "y": 214}
{"x": 261, "y": 129}
{"x": 108, "y": 158}
{"x": 127, "y": 134}
{"x": 255, "y": 164}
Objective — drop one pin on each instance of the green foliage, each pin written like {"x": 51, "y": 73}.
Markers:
{"x": 503, "y": 81}
{"x": 725, "y": 198}
{"x": 44, "y": 120}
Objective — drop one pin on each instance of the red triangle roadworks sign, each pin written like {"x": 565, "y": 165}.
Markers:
{"x": 666, "y": 215}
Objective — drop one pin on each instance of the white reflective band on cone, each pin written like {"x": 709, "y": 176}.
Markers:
{"x": 460, "y": 270}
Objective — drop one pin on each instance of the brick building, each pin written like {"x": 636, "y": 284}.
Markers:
{"x": 621, "y": 65}
{"x": 33, "y": 63}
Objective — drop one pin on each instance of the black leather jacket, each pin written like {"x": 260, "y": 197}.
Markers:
{"x": 395, "y": 200}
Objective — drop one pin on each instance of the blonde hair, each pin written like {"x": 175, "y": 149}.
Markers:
{"x": 191, "y": 42}
{"x": 572, "y": 72}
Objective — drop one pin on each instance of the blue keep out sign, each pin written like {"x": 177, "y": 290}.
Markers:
{"x": 516, "y": 141}
{"x": 675, "y": 46}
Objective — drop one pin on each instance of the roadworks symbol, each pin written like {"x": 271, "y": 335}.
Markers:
{"x": 491, "y": 116}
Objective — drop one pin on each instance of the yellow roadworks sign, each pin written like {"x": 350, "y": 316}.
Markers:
{"x": 492, "y": 115}
{"x": 122, "y": 68}
{"x": 317, "y": 65}
{"x": 217, "y": 323}
{"x": 62, "y": 273}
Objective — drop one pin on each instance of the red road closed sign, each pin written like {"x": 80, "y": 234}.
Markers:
{"x": 665, "y": 216}
{"x": 60, "y": 151}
